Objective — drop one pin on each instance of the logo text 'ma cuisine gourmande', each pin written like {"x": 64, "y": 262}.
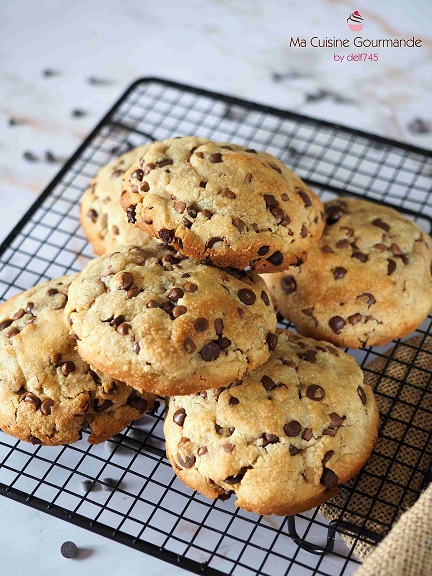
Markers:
{"x": 355, "y": 23}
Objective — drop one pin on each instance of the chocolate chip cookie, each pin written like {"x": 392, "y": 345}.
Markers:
{"x": 48, "y": 394}
{"x": 283, "y": 437}
{"x": 223, "y": 204}
{"x": 167, "y": 324}
{"x": 102, "y": 218}
{"x": 367, "y": 280}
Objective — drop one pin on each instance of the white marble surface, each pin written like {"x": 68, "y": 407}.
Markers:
{"x": 237, "y": 47}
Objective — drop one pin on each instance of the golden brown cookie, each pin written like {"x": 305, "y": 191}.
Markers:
{"x": 48, "y": 394}
{"x": 223, "y": 204}
{"x": 167, "y": 324}
{"x": 102, "y": 217}
{"x": 367, "y": 280}
{"x": 283, "y": 437}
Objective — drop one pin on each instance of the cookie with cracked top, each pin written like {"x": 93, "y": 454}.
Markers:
{"x": 283, "y": 437}
{"x": 169, "y": 324}
{"x": 223, "y": 204}
{"x": 48, "y": 394}
{"x": 366, "y": 281}
{"x": 102, "y": 218}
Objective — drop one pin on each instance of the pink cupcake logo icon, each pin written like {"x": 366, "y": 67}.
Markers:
{"x": 355, "y": 21}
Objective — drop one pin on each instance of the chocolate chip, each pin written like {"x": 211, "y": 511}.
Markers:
{"x": 339, "y": 272}
{"x": 288, "y": 284}
{"x": 333, "y": 350}
{"x": 145, "y": 187}
{"x": 329, "y": 479}
{"x": 307, "y": 201}
{"x": 130, "y": 213}
{"x": 138, "y": 174}
{"x": 276, "y": 258}
{"x": 248, "y": 178}
{"x": 327, "y": 456}
{"x": 210, "y": 352}
{"x": 278, "y": 213}
{"x": 246, "y": 296}
{"x": 336, "y": 420}
{"x": 46, "y": 406}
{"x": 233, "y": 401}
{"x": 218, "y": 429}
{"x": 239, "y": 224}
{"x": 67, "y": 368}
{"x": 180, "y": 207}
{"x": 202, "y": 450}
{"x": 30, "y": 398}
{"x": 201, "y": 324}
{"x": 236, "y": 479}
{"x": 391, "y": 266}
{"x": 5, "y": 324}
{"x": 227, "y": 193}
{"x": 307, "y": 434}
{"x": 362, "y": 395}
{"x": 104, "y": 406}
{"x": 304, "y": 231}
{"x": 189, "y": 346}
{"x": 270, "y": 200}
{"x": 343, "y": 243}
{"x": 271, "y": 341}
{"x": 116, "y": 173}
{"x": 187, "y": 461}
{"x": 333, "y": 214}
{"x": 223, "y": 343}
{"x": 148, "y": 168}
{"x": 268, "y": 383}
{"x": 228, "y": 447}
{"x": 193, "y": 211}
{"x": 179, "y": 311}
{"x": 293, "y": 450}
{"x": 326, "y": 250}
{"x": 187, "y": 222}
{"x": 123, "y": 328}
{"x": 215, "y": 158}
{"x": 167, "y": 236}
{"x": 269, "y": 439}
{"x": 354, "y": 318}
{"x": 138, "y": 403}
{"x": 219, "y": 326}
{"x": 212, "y": 241}
{"x": 52, "y": 291}
{"x": 126, "y": 281}
{"x": 380, "y": 224}
{"x": 309, "y": 356}
{"x": 199, "y": 154}
{"x": 367, "y": 297}
{"x": 167, "y": 307}
{"x": 163, "y": 163}
{"x": 263, "y": 250}
{"x": 360, "y": 256}
{"x": 133, "y": 293}
{"x": 175, "y": 294}
{"x": 78, "y": 113}
{"x": 92, "y": 215}
{"x": 265, "y": 298}
{"x": 206, "y": 213}
{"x": 136, "y": 348}
{"x": 293, "y": 428}
{"x": 68, "y": 549}
{"x": 13, "y": 332}
{"x": 315, "y": 392}
{"x": 336, "y": 323}
{"x": 203, "y": 184}
{"x": 152, "y": 304}
{"x": 35, "y": 441}
{"x": 179, "y": 416}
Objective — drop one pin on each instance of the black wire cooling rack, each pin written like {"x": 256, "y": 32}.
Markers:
{"x": 149, "y": 509}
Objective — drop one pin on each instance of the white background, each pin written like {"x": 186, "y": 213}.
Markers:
{"x": 237, "y": 47}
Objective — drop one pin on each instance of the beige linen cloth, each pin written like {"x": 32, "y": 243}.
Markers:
{"x": 385, "y": 492}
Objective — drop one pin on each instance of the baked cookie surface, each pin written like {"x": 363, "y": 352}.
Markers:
{"x": 223, "y": 204}
{"x": 167, "y": 324}
{"x": 101, "y": 216}
{"x": 283, "y": 437}
{"x": 48, "y": 394}
{"x": 366, "y": 281}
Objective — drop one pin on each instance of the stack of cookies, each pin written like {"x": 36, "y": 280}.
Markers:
{"x": 175, "y": 306}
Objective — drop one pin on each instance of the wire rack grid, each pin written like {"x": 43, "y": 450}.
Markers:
{"x": 149, "y": 508}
